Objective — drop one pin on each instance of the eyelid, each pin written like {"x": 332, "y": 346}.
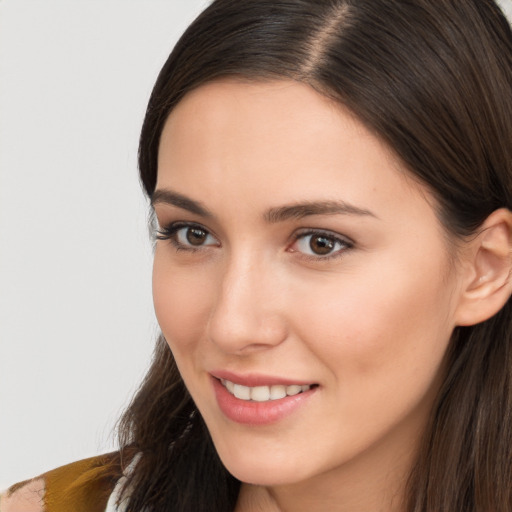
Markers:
{"x": 169, "y": 231}
{"x": 338, "y": 238}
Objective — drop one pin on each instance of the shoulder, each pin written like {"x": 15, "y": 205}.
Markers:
{"x": 82, "y": 486}
{"x": 26, "y": 496}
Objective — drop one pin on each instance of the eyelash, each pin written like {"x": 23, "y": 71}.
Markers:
{"x": 346, "y": 244}
{"x": 170, "y": 232}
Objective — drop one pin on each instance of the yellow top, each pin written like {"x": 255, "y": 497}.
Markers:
{"x": 82, "y": 486}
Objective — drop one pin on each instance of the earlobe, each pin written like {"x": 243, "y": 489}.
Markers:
{"x": 489, "y": 260}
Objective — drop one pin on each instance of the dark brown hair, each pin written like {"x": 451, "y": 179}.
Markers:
{"x": 433, "y": 79}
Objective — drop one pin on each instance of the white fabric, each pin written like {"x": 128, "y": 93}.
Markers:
{"x": 111, "y": 505}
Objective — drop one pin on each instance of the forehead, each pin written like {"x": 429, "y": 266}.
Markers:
{"x": 283, "y": 139}
{"x": 262, "y": 108}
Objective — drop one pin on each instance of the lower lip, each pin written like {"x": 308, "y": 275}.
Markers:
{"x": 258, "y": 413}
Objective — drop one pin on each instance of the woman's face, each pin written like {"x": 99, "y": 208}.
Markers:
{"x": 296, "y": 255}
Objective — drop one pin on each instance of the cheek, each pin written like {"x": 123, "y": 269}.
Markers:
{"x": 378, "y": 332}
{"x": 181, "y": 301}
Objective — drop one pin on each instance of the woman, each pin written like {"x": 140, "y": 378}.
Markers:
{"x": 331, "y": 182}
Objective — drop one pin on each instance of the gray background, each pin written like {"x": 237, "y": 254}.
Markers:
{"x": 76, "y": 320}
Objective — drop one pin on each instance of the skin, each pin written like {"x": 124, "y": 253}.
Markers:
{"x": 369, "y": 324}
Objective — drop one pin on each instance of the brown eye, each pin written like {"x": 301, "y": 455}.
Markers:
{"x": 187, "y": 237}
{"x": 196, "y": 236}
{"x": 321, "y": 244}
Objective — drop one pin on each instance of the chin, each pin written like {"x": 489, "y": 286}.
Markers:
{"x": 264, "y": 476}
{"x": 259, "y": 469}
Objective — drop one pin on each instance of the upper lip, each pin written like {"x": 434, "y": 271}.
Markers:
{"x": 256, "y": 379}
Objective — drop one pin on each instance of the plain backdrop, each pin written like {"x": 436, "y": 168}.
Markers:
{"x": 76, "y": 322}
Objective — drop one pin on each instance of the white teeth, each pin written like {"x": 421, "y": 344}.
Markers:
{"x": 260, "y": 393}
{"x": 277, "y": 392}
{"x": 263, "y": 393}
{"x": 242, "y": 392}
{"x": 293, "y": 390}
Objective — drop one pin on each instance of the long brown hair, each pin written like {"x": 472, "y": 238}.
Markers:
{"x": 434, "y": 81}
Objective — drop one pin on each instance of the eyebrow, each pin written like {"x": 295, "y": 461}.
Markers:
{"x": 300, "y": 210}
{"x": 273, "y": 215}
{"x": 165, "y": 196}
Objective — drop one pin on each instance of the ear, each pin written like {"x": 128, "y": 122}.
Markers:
{"x": 488, "y": 283}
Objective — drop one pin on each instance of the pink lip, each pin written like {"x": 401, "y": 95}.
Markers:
{"x": 253, "y": 379}
{"x": 258, "y": 413}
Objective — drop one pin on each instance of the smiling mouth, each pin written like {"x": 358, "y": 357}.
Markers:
{"x": 264, "y": 393}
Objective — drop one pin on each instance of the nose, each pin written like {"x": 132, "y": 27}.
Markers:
{"x": 247, "y": 315}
